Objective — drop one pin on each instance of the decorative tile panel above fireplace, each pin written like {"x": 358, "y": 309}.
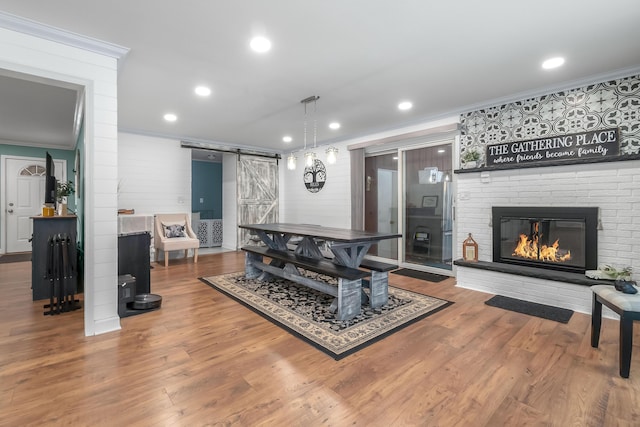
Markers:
{"x": 557, "y": 238}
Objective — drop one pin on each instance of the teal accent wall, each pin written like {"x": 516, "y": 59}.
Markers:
{"x": 206, "y": 184}
{"x": 79, "y": 202}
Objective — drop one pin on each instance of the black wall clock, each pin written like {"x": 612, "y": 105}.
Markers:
{"x": 315, "y": 176}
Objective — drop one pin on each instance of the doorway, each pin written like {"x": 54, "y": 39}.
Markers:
{"x": 428, "y": 207}
{"x": 206, "y": 199}
{"x": 24, "y": 181}
{"x": 410, "y": 191}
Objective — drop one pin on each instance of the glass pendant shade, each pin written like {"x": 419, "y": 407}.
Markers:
{"x": 291, "y": 162}
{"x": 309, "y": 158}
{"x": 332, "y": 155}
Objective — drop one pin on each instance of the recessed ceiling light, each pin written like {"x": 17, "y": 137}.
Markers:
{"x": 442, "y": 150}
{"x": 553, "y": 63}
{"x": 260, "y": 44}
{"x": 202, "y": 91}
{"x": 170, "y": 117}
{"x": 405, "y": 105}
{"x": 334, "y": 125}
{"x": 287, "y": 138}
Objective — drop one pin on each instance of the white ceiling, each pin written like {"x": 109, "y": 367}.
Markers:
{"x": 38, "y": 112}
{"x": 360, "y": 56}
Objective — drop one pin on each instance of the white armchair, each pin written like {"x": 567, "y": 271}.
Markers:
{"x": 173, "y": 232}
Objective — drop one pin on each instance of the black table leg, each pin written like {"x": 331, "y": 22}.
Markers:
{"x": 596, "y": 321}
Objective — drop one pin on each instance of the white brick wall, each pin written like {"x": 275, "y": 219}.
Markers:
{"x": 613, "y": 187}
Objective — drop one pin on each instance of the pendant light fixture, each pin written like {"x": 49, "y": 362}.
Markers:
{"x": 310, "y": 156}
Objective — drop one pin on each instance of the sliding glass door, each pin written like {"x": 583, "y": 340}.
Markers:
{"x": 409, "y": 191}
{"x": 427, "y": 211}
{"x": 381, "y": 201}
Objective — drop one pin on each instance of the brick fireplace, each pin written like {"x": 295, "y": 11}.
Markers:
{"x": 611, "y": 189}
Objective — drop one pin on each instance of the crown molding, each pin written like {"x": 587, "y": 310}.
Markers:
{"x": 47, "y": 32}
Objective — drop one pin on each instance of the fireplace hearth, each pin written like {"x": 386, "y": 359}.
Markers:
{"x": 557, "y": 238}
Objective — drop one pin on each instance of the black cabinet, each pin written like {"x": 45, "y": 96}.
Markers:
{"x": 43, "y": 229}
{"x": 133, "y": 259}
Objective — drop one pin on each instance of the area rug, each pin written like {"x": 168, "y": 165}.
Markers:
{"x": 429, "y": 277}
{"x": 9, "y": 258}
{"x": 304, "y": 312}
{"x": 549, "y": 312}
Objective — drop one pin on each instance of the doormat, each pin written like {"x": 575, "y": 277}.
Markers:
{"x": 21, "y": 257}
{"x": 304, "y": 312}
{"x": 549, "y": 312}
{"x": 429, "y": 277}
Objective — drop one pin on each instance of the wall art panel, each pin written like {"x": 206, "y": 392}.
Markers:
{"x": 611, "y": 104}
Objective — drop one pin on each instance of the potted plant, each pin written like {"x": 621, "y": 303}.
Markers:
{"x": 620, "y": 276}
{"x": 63, "y": 190}
{"x": 470, "y": 158}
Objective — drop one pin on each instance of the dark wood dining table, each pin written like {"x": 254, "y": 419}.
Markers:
{"x": 346, "y": 247}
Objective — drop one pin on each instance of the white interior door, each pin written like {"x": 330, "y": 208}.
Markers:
{"x": 24, "y": 189}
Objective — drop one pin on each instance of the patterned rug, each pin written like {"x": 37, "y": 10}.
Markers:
{"x": 304, "y": 312}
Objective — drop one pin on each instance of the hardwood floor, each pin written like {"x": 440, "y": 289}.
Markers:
{"x": 203, "y": 359}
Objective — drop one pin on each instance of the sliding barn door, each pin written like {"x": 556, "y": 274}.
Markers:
{"x": 257, "y": 193}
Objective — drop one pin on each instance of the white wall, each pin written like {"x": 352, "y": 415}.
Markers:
{"x": 154, "y": 175}
{"x": 27, "y": 54}
{"x": 331, "y": 206}
{"x": 613, "y": 187}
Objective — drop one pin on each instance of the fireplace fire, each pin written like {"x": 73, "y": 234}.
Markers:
{"x": 559, "y": 238}
{"x": 528, "y": 247}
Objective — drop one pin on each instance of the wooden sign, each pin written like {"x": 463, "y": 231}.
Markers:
{"x": 578, "y": 146}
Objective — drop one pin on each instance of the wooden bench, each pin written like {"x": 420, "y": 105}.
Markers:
{"x": 379, "y": 283}
{"x": 369, "y": 264}
{"x": 381, "y": 267}
{"x": 284, "y": 264}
